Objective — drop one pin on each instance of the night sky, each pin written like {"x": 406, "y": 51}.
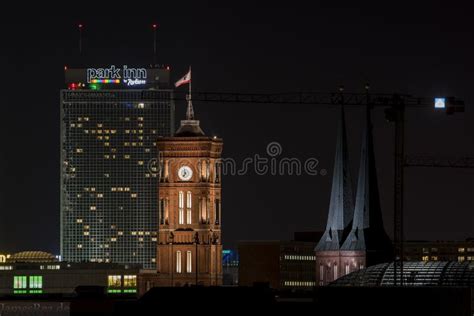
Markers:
{"x": 420, "y": 48}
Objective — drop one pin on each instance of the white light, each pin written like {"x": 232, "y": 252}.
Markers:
{"x": 440, "y": 103}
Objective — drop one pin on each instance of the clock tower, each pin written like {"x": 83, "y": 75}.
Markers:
{"x": 189, "y": 235}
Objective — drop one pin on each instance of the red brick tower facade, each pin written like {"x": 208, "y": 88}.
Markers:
{"x": 189, "y": 236}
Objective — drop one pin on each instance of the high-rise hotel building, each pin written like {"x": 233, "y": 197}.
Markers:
{"x": 111, "y": 119}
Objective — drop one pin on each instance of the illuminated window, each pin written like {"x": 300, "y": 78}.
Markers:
{"x": 425, "y": 258}
{"x": 133, "y": 195}
{"x": 79, "y": 246}
{"x": 470, "y": 249}
{"x": 434, "y": 258}
{"x": 461, "y": 258}
{"x": 36, "y": 282}
{"x": 19, "y": 282}
{"x": 188, "y": 207}
{"x": 178, "y": 261}
{"x": 114, "y": 281}
{"x": 347, "y": 268}
{"x": 129, "y": 281}
{"x": 461, "y": 250}
{"x": 181, "y": 207}
{"x": 335, "y": 272}
{"x": 79, "y": 220}
{"x": 321, "y": 272}
{"x": 189, "y": 263}
{"x": 426, "y": 250}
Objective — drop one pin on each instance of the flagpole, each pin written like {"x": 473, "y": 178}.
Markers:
{"x": 190, "y": 81}
{"x": 190, "y": 102}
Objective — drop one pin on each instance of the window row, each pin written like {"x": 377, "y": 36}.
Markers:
{"x": 20, "y": 282}
{"x": 185, "y": 210}
{"x": 115, "y": 281}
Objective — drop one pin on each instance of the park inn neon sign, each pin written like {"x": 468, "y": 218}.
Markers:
{"x": 129, "y": 76}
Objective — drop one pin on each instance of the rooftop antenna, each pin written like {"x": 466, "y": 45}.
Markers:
{"x": 155, "y": 26}
{"x": 80, "y": 26}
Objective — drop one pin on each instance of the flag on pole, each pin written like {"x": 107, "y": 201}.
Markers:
{"x": 184, "y": 80}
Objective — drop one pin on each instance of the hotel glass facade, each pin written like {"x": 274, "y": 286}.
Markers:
{"x": 108, "y": 191}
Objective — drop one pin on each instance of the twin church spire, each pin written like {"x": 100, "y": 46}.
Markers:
{"x": 359, "y": 227}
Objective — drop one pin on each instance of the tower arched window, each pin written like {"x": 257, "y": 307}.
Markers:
{"x": 217, "y": 209}
{"x": 178, "y": 262}
{"x": 189, "y": 199}
{"x": 208, "y": 170}
{"x": 335, "y": 271}
{"x": 189, "y": 262}
{"x": 181, "y": 207}
{"x": 162, "y": 211}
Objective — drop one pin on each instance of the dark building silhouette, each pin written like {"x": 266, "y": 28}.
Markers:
{"x": 283, "y": 265}
{"x": 440, "y": 250}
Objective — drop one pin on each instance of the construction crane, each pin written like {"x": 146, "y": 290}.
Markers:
{"x": 395, "y": 105}
{"x": 439, "y": 162}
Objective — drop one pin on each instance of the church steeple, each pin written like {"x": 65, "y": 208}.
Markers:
{"x": 368, "y": 233}
{"x": 341, "y": 205}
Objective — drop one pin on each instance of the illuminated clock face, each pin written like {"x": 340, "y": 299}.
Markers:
{"x": 185, "y": 173}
